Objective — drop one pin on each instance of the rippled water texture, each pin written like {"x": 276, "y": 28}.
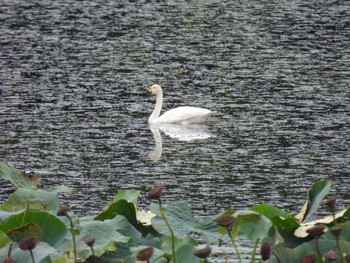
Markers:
{"x": 74, "y": 106}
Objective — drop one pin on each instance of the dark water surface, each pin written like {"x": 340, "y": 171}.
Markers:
{"x": 74, "y": 108}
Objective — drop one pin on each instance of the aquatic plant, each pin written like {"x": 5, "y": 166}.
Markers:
{"x": 156, "y": 193}
{"x": 122, "y": 232}
{"x": 63, "y": 211}
{"x": 29, "y": 244}
{"x": 227, "y": 222}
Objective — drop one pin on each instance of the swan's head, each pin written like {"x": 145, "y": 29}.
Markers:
{"x": 155, "y": 89}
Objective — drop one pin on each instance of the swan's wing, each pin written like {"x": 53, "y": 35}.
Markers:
{"x": 185, "y": 115}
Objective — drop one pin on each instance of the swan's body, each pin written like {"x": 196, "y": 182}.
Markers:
{"x": 180, "y": 115}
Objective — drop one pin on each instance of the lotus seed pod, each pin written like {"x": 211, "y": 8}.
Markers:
{"x": 316, "y": 231}
{"x": 331, "y": 255}
{"x": 145, "y": 254}
{"x": 90, "y": 241}
{"x": 203, "y": 253}
{"x": 27, "y": 243}
{"x": 308, "y": 259}
{"x": 265, "y": 250}
{"x": 336, "y": 231}
{"x": 226, "y": 221}
{"x": 156, "y": 192}
{"x": 63, "y": 211}
{"x": 330, "y": 202}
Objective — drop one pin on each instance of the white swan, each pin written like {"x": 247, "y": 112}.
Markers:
{"x": 180, "y": 115}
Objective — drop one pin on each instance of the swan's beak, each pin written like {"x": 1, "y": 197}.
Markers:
{"x": 150, "y": 90}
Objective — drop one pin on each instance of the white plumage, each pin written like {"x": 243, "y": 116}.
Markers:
{"x": 180, "y": 115}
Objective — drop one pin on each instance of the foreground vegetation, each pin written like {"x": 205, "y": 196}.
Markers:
{"x": 35, "y": 227}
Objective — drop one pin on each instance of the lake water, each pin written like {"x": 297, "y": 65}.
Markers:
{"x": 74, "y": 103}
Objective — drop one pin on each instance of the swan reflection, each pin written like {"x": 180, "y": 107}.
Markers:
{"x": 179, "y": 132}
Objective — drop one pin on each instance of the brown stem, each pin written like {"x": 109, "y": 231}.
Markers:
{"x": 73, "y": 236}
{"x": 31, "y": 253}
{"x": 10, "y": 251}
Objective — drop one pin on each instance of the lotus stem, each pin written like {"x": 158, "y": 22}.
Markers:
{"x": 90, "y": 241}
{"x": 10, "y": 250}
{"x": 63, "y": 211}
{"x": 345, "y": 243}
{"x": 340, "y": 250}
{"x": 170, "y": 229}
{"x": 319, "y": 255}
{"x": 73, "y": 236}
{"x": 31, "y": 254}
{"x": 278, "y": 259}
{"x": 254, "y": 250}
{"x": 234, "y": 244}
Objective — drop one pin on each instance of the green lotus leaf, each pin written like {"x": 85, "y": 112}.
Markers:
{"x": 181, "y": 219}
{"x": 27, "y": 230}
{"x": 326, "y": 243}
{"x": 9, "y": 172}
{"x": 128, "y": 195}
{"x": 53, "y": 229}
{"x": 280, "y": 218}
{"x": 40, "y": 199}
{"x": 43, "y": 253}
{"x": 179, "y": 242}
{"x": 106, "y": 234}
{"x": 286, "y": 255}
{"x": 185, "y": 253}
{"x": 251, "y": 225}
{"x": 120, "y": 207}
{"x": 270, "y": 211}
{"x": 126, "y": 252}
{"x": 4, "y": 239}
{"x": 316, "y": 194}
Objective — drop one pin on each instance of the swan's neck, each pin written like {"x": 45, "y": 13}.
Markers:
{"x": 156, "y": 112}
